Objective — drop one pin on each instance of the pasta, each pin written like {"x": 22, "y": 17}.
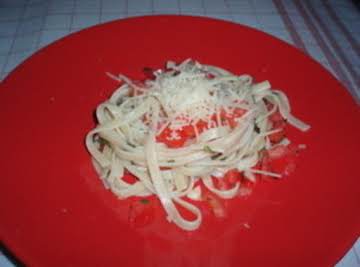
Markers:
{"x": 141, "y": 130}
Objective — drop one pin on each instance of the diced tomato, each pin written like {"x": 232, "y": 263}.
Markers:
{"x": 229, "y": 180}
{"x": 201, "y": 126}
{"x": 276, "y": 116}
{"x": 175, "y": 143}
{"x": 278, "y": 123}
{"x": 129, "y": 178}
{"x": 283, "y": 166}
{"x": 188, "y": 131}
{"x": 238, "y": 112}
{"x": 215, "y": 203}
{"x": 164, "y": 137}
{"x": 277, "y": 137}
{"x": 141, "y": 212}
{"x": 185, "y": 133}
{"x": 221, "y": 184}
{"x": 280, "y": 159}
{"x": 232, "y": 176}
{"x": 278, "y": 152}
{"x": 245, "y": 182}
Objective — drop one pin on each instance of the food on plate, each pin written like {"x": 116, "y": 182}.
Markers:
{"x": 190, "y": 132}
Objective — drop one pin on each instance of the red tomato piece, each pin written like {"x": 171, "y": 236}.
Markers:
{"x": 280, "y": 159}
{"x": 229, "y": 180}
{"x": 278, "y": 152}
{"x": 201, "y": 126}
{"x": 277, "y": 137}
{"x": 215, "y": 203}
{"x": 276, "y": 116}
{"x": 165, "y": 135}
{"x": 238, "y": 112}
{"x": 232, "y": 176}
{"x": 221, "y": 184}
{"x": 188, "y": 131}
{"x": 129, "y": 178}
{"x": 278, "y": 123}
{"x": 175, "y": 143}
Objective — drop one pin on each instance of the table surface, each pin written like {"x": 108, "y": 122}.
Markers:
{"x": 326, "y": 30}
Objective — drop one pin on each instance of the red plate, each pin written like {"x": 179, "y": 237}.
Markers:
{"x": 55, "y": 212}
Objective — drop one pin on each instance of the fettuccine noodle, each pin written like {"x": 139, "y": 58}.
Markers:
{"x": 182, "y": 95}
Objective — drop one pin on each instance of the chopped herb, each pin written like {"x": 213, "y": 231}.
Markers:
{"x": 144, "y": 201}
{"x": 216, "y": 156}
{"x": 103, "y": 142}
{"x": 171, "y": 161}
{"x": 256, "y": 128}
{"x": 208, "y": 149}
{"x": 223, "y": 158}
{"x": 148, "y": 69}
{"x": 130, "y": 144}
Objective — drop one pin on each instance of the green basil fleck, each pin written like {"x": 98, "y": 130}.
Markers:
{"x": 144, "y": 201}
{"x": 216, "y": 156}
{"x": 208, "y": 149}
